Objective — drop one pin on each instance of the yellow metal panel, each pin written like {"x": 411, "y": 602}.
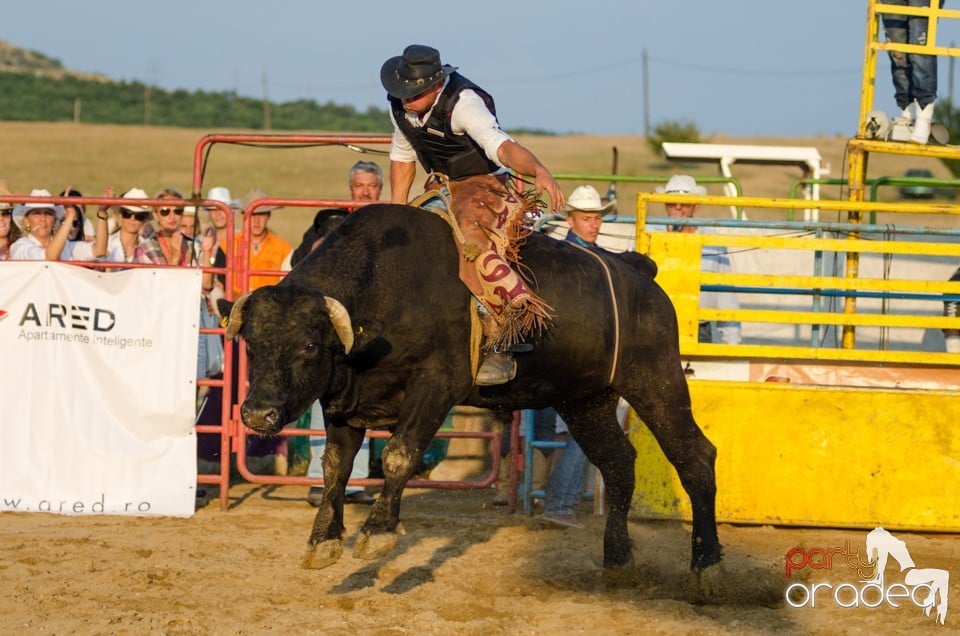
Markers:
{"x": 829, "y": 318}
{"x": 830, "y": 282}
{"x": 817, "y": 456}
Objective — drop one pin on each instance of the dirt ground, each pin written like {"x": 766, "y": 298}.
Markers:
{"x": 464, "y": 567}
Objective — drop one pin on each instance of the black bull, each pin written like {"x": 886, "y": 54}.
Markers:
{"x": 387, "y": 280}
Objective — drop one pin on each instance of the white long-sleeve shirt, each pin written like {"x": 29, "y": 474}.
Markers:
{"x": 27, "y": 248}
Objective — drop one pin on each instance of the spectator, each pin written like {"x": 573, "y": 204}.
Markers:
{"x": 267, "y": 250}
{"x": 267, "y": 253}
{"x": 951, "y": 308}
{"x": 169, "y": 246}
{"x": 82, "y": 228}
{"x": 130, "y": 217}
{"x": 189, "y": 222}
{"x": 366, "y": 181}
{"x": 584, "y": 213}
{"x": 41, "y": 242}
{"x": 9, "y": 231}
{"x": 714, "y": 259}
{"x": 218, "y": 221}
{"x": 914, "y": 75}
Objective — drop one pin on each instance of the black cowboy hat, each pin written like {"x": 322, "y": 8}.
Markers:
{"x": 410, "y": 74}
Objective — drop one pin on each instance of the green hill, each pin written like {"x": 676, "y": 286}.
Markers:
{"x": 35, "y": 87}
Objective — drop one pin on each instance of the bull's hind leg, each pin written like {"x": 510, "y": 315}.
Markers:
{"x": 593, "y": 424}
{"x": 662, "y": 400}
{"x": 326, "y": 539}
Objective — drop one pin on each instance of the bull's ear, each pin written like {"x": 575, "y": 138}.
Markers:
{"x": 224, "y": 306}
{"x": 235, "y": 320}
{"x": 341, "y": 322}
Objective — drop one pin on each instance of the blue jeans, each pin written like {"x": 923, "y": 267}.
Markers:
{"x": 361, "y": 463}
{"x": 565, "y": 484}
{"x": 437, "y": 203}
{"x": 914, "y": 76}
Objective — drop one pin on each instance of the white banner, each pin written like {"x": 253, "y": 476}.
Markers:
{"x": 98, "y": 389}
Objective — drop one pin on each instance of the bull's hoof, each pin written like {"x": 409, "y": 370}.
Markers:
{"x": 374, "y": 546}
{"x": 325, "y": 554}
{"x": 705, "y": 585}
{"x": 621, "y": 576}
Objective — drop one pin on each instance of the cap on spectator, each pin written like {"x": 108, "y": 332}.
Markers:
{"x": 221, "y": 194}
{"x": 681, "y": 184}
{"x": 133, "y": 194}
{"x": 21, "y": 210}
{"x": 586, "y": 199}
{"x": 256, "y": 195}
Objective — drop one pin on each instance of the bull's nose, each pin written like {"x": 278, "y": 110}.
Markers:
{"x": 262, "y": 419}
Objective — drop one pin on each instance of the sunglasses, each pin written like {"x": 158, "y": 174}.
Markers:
{"x": 167, "y": 211}
{"x": 6, "y": 212}
{"x": 140, "y": 216}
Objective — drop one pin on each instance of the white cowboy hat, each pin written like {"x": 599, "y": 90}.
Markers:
{"x": 134, "y": 193}
{"x": 222, "y": 195}
{"x": 20, "y": 211}
{"x": 586, "y": 199}
{"x": 681, "y": 184}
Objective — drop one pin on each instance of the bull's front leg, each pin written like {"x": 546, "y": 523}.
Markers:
{"x": 419, "y": 420}
{"x": 326, "y": 539}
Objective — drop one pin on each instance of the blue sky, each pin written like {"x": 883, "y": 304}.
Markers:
{"x": 740, "y": 67}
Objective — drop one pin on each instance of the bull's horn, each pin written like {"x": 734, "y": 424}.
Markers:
{"x": 341, "y": 322}
{"x": 235, "y": 321}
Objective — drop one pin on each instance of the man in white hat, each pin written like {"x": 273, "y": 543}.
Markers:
{"x": 584, "y": 211}
{"x": 714, "y": 259}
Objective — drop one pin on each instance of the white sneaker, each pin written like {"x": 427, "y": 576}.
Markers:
{"x": 921, "y": 126}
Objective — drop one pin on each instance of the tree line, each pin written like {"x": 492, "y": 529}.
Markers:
{"x": 28, "y": 97}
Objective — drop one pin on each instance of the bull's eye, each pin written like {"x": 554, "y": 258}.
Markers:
{"x": 310, "y": 347}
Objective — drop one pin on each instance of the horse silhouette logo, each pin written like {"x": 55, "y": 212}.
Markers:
{"x": 881, "y": 545}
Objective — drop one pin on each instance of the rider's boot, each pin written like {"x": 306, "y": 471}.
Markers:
{"x": 498, "y": 367}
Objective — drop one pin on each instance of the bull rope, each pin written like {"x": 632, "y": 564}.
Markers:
{"x": 613, "y": 304}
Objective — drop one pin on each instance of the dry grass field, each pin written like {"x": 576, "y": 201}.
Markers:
{"x": 89, "y": 157}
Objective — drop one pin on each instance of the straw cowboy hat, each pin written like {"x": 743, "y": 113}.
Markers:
{"x": 4, "y": 191}
{"x": 253, "y": 196}
{"x": 410, "y": 74}
{"x": 21, "y": 210}
{"x": 586, "y": 199}
{"x": 681, "y": 184}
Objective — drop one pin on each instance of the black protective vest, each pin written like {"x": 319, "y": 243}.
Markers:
{"x": 437, "y": 148}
